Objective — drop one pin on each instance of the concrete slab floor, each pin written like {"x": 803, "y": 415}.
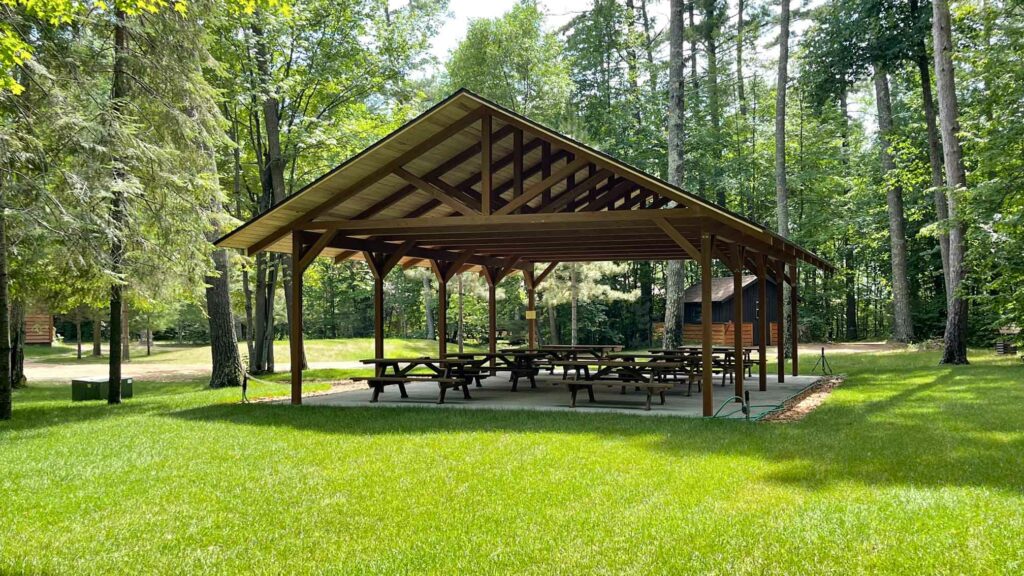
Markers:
{"x": 552, "y": 395}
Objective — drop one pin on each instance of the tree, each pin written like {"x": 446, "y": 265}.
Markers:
{"x": 513, "y": 61}
{"x": 955, "y": 338}
{"x": 676, "y": 154}
{"x": 781, "y": 188}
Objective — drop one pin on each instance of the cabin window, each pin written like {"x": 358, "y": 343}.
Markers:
{"x": 692, "y": 314}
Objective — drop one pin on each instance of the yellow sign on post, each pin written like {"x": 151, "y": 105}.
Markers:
{"x": 531, "y": 314}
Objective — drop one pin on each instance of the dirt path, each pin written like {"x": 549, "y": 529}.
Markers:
{"x": 40, "y": 371}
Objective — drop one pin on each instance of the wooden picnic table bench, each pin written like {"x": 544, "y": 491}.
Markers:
{"x": 446, "y": 372}
{"x": 649, "y": 375}
{"x": 652, "y": 387}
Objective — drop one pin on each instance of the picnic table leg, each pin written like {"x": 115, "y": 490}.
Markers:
{"x": 465, "y": 392}
{"x": 648, "y": 405}
{"x": 441, "y": 393}
{"x": 401, "y": 388}
{"x": 376, "y": 392}
{"x": 590, "y": 393}
{"x": 573, "y": 389}
{"x": 662, "y": 394}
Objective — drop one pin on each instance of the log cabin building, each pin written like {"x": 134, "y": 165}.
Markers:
{"x": 723, "y": 324}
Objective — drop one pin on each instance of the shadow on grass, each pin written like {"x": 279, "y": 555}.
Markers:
{"x": 941, "y": 427}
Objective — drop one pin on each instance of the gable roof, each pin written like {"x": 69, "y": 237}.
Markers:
{"x": 429, "y": 169}
{"x": 721, "y": 289}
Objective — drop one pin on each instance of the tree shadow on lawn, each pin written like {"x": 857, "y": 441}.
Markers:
{"x": 955, "y": 427}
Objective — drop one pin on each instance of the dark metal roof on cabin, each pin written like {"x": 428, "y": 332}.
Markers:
{"x": 721, "y": 289}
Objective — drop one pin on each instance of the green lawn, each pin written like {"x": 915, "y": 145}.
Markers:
{"x": 317, "y": 350}
{"x": 907, "y": 468}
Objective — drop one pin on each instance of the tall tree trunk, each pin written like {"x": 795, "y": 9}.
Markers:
{"x": 676, "y": 151}
{"x": 781, "y": 186}
{"x": 709, "y": 29}
{"x": 429, "y": 314}
{"x": 934, "y": 150}
{"x": 78, "y": 334}
{"x": 249, "y": 344}
{"x": 462, "y": 317}
{"x": 5, "y": 324}
{"x": 97, "y": 334}
{"x": 227, "y": 366}
{"x": 849, "y": 276}
{"x": 17, "y": 323}
{"x": 740, "y": 96}
{"x": 553, "y": 323}
{"x": 574, "y": 288}
{"x": 955, "y": 350}
{"x": 117, "y": 210}
{"x": 902, "y": 325}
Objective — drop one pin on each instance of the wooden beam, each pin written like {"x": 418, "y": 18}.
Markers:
{"x": 440, "y": 195}
{"x": 762, "y": 323}
{"x": 377, "y": 246}
{"x": 535, "y": 190}
{"x": 610, "y": 196}
{"x": 548, "y": 270}
{"x": 794, "y": 320}
{"x": 780, "y": 304}
{"x": 453, "y": 268}
{"x": 707, "y": 388}
{"x": 485, "y": 164}
{"x": 678, "y": 238}
{"x": 737, "y": 311}
{"x": 367, "y": 181}
{"x": 419, "y": 225}
{"x": 295, "y": 326}
{"x": 307, "y": 256}
{"x": 344, "y": 255}
{"x": 517, "y": 163}
{"x": 564, "y": 198}
{"x": 396, "y": 256}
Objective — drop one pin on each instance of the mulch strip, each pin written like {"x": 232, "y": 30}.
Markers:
{"x": 799, "y": 406}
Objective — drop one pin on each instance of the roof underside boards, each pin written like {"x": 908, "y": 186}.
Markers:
{"x": 553, "y": 200}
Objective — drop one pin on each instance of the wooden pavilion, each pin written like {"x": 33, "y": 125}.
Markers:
{"x": 471, "y": 186}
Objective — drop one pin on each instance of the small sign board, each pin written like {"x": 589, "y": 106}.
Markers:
{"x": 1011, "y": 330}
{"x": 531, "y": 314}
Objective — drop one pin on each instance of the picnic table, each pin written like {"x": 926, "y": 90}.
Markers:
{"x": 521, "y": 363}
{"x": 446, "y": 372}
{"x": 648, "y": 375}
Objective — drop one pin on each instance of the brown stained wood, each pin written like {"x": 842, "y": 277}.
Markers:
{"x": 443, "y": 196}
{"x": 678, "y": 238}
{"x": 385, "y": 169}
{"x": 762, "y": 323}
{"x": 545, "y": 169}
{"x": 295, "y": 326}
{"x": 565, "y": 220}
{"x": 376, "y": 246}
{"x": 517, "y": 163}
{"x": 794, "y": 320}
{"x": 780, "y": 304}
{"x": 544, "y": 274}
{"x": 570, "y": 194}
{"x": 344, "y": 255}
{"x": 557, "y": 176}
{"x": 486, "y": 192}
{"x": 610, "y": 196}
{"x": 707, "y": 389}
{"x": 395, "y": 257}
{"x": 738, "y": 320}
{"x": 308, "y": 254}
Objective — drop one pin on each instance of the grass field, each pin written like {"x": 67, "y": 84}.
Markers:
{"x": 317, "y": 350}
{"x": 907, "y": 468}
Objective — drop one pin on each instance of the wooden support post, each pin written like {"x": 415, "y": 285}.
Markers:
{"x": 762, "y": 323}
{"x": 737, "y": 315}
{"x": 794, "y": 318}
{"x": 378, "y": 318}
{"x": 295, "y": 335}
{"x": 707, "y": 389}
{"x": 780, "y": 304}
